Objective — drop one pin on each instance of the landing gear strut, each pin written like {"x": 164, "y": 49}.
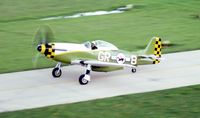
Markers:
{"x": 57, "y": 72}
{"x": 85, "y": 78}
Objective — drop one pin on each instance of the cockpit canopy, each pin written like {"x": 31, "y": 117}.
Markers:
{"x": 101, "y": 45}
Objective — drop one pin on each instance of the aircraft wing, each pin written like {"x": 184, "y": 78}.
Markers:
{"x": 100, "y": 63}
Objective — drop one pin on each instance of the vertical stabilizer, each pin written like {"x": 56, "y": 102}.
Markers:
{"x": 154, "y": 47}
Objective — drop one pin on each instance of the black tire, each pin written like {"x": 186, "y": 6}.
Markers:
{"x": 82, "y": 81}
{"x": 133, "y": 70}
{"x": 56, "y": 72}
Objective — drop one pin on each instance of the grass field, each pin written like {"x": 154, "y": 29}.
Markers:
{"x": 174, "y": 103}
{"x": 172, "y": 20}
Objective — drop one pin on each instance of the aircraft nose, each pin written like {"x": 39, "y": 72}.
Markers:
{"x": 39, "y": 48}
{"x": 46, "y": 49}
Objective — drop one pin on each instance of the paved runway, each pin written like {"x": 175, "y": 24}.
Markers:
{"x": 38, "y": 88}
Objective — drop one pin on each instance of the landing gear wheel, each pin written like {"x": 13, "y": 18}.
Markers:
{"x": 133, "y": 70}
{"x": 56, "y": 72}
{"x": 83, "y": 81}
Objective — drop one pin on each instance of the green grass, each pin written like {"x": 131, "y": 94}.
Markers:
{"x": 171, "y": 20}
{"x": 20, "y": 10}
{"x": 174, "y": 103}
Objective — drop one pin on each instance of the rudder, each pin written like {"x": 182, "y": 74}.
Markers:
{"x": 157, "y": 47}
{"x": 154, "y": 47}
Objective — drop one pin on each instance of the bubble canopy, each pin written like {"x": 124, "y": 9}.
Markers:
{"x": 101, "y": 45}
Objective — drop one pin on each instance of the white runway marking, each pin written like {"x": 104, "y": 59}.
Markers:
{"x": 37, "y": 88}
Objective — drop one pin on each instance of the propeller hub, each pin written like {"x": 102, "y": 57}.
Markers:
{"x": 39, "y": 48}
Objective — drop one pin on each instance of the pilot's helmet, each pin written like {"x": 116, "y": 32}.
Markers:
{"x": 93, "y": 43}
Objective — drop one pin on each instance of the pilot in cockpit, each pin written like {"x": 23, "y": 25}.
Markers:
{"x": 93, "y": 45}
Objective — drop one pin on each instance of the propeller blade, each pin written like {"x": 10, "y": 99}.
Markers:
{"x": 35, "y": 60}
{"x": 38, "y": 37}
{"x": 48, "y": 34}
{"x": 43, "y": 35}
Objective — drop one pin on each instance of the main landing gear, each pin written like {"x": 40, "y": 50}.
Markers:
{"x": 57, "y": 72}
{"x": 85, "y": 78}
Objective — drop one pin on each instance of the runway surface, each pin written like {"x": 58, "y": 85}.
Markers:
{"x": 37, "y": 88}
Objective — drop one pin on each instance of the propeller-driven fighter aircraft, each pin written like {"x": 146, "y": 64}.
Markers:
{"x": 98, "y": 55}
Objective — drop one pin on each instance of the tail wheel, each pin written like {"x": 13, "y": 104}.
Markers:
{"x": 83, "y": 81}
{"x": 56, "y": 72}
{"x": 133, "y": 70}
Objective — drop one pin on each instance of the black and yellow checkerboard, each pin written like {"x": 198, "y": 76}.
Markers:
{"x": 156, "y": 61}
{"x": 158, "y": 46}
{"x": 157, "y": 50}
{"x": 49, "y": 51}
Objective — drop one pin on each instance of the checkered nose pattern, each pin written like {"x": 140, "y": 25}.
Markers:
{"x": 47, "y": 49}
